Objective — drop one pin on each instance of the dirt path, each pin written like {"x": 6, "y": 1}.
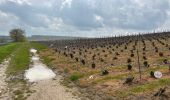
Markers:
{"x": 46, "y": 83}
{"x": 51, "y": 90}
{"x": 4, "y": 91}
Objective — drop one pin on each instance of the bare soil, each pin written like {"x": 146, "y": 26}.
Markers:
{"x": 51, "y": 89}
{"x": 4, "y": 90}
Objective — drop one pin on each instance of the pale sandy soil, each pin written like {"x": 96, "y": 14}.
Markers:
{"x": 51, "y": 90}
{"x": 48, "y": 88}
{"x": 4, "y": 91}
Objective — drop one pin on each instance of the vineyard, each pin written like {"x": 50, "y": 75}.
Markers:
{"x": 85, "y": 50}
{"x": 114, "y": 67}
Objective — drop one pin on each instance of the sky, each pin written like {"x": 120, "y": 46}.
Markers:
{"x": 85, "y": 18}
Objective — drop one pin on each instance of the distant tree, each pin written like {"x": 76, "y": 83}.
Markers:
{"x": 18, "y": 35}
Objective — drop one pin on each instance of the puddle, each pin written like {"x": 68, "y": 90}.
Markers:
{"x": 33, "y": 50}
{"x": 38, "y": 71}
{"x": 35, "y": 58}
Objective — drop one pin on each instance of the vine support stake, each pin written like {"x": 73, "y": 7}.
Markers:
{"x": 140, "y": 73}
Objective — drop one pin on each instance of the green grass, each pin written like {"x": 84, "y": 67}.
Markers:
{"x": 144, "y": 87}
{"x": 38, "y": 46}
{"x": 20, "y": 60}
{"x": 75, "y": 76}
{"x": 41, "y": 47}
{"x": 6, "y": 50}
{"x": 150, "y": 86}
{"x": 47, "y": 60}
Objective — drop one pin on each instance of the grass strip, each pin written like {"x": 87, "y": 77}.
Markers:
{"x": 6, "y": 50}
{"x": 38, "y": 46}
{"x": 19, "y": 60}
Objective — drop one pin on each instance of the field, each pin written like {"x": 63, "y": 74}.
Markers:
{"x": 84, "y": 49}
{"x": 110, "y": 68}
{"x": 101, "y": 67}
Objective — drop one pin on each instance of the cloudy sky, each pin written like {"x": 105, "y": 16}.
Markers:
{"x": 84, "y": 17}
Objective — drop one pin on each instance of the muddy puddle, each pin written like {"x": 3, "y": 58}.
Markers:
{"x": 38, "y": 71}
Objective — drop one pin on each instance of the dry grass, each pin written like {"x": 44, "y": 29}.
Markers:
{"x": 117, "y": 72}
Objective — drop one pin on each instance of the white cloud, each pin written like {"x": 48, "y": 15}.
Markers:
{"x": 56, "y": 23}
{"x": 20, "y": 2}
{"x": 86, "y": 17}
{"x": 166, "y": 25}
{"x": 66, "y": 3}
{"x": 7, "y": 21}
{"x": 98, "y": 18}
